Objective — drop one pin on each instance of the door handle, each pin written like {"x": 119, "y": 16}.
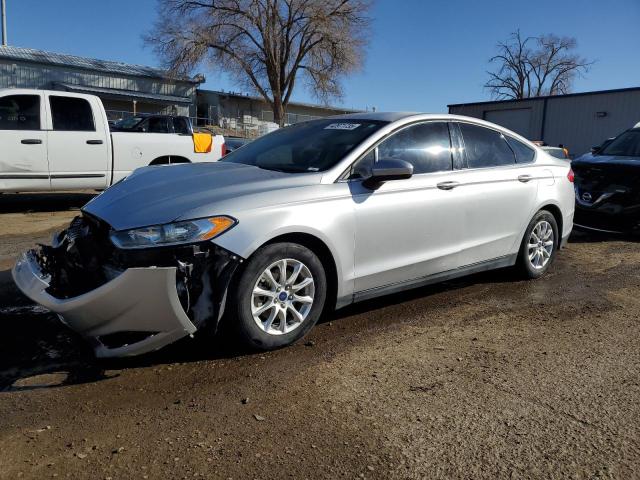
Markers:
{"x": 94, "y": 142}
{"x": 447, "y": 185}
{"x": 31, "y": 141}
{"x": 525, "y": 178}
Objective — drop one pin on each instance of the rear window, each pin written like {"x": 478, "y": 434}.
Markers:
{"x": 180, "y": 126}
{"x": 71, "y": 114}
{"x": 524, "y": 153}
{"x": 20, "y": 112}
{"x": 626, "y": 144}
{"x": 485, "y": 147}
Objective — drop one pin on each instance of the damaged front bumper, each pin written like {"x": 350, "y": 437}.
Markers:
{"x": 125, "y": 303}
{"x": 141, "y": 302}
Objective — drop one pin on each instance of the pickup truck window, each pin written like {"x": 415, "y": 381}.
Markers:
{"x": 71, "y": 114}
{"x": 20, "y": 112}
{"x": 156, "y": 125}
{"x": 180, "y": 126}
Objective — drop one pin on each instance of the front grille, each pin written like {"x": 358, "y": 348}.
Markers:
{"x": 623, "y": 181}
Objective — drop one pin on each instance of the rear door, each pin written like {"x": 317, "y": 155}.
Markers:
{"x": 499, "y": 192}
{"x": 78, "y": 143}
{"x": 23, "y": 143}
{"x": 407, "y": 229}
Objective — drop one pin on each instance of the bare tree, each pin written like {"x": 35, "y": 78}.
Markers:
{"x": 266, "y": 45}
{"x": 535, "y": 66}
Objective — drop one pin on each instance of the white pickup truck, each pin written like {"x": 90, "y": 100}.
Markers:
{"x": 51, "y": 140}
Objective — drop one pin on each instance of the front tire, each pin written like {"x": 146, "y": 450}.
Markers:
{"x": 539, "y": 245}
{"x": 279, "y": 296}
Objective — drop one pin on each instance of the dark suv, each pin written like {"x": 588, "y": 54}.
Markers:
{"x": 607, "y": 184}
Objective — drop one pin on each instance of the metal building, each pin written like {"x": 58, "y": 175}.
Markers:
{"x": 249, "y": 115}
{"x": 577, "y": 120}
{"x": 123, "y": 87}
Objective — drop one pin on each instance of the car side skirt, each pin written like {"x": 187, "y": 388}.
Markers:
{"x": 501, "y": 262}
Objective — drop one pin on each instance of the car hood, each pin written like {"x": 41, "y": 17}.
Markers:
{"x": 163, "y": 194}
{"x": 590, "y": 159}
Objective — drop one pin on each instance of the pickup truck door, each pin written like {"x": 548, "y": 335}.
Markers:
{"x": 79, "y": 149}
{"x": 23, "y": 143}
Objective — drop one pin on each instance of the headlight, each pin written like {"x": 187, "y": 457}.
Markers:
{"x": 191, "y": 231}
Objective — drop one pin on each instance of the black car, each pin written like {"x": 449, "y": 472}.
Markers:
{"x": 233, "y": 143}
{"x": 607, "y": 183}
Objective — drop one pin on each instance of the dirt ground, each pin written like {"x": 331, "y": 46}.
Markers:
{"x": 485, "y": 377}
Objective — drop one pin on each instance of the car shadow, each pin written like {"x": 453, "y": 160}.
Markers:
{"x": 43, "y": 202}
{"x": 584, "y": 236}
{"x": 38, "y": 351}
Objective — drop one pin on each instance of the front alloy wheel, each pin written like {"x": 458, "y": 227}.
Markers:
{"x": 278, "y": 296}
{"x": 282, "y": 296}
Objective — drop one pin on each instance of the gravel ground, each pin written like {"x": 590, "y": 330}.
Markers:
{"x": 484, "y": 377}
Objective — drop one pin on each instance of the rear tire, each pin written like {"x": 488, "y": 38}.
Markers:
{"x": 272, "y": 309}
{"x": 539, "y": 245}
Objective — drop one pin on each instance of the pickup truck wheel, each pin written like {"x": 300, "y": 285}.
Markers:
{"x": 169, "y": 160}
{"x": 279, "y": 296}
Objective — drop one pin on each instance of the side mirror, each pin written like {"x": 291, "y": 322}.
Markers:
{"x": 595, "y": 150}
{"x": 388, "y": 169}
{"x": 141, "y": 129}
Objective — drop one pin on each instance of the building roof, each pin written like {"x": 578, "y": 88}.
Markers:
{"x": 124, "y": 94}
{"x": 107, "y": 66}
{"x": 260, "y": 99}
{"x": 579, "y": 94}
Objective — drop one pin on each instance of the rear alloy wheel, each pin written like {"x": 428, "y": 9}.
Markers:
{"x": 279, "y": 296}
{"x": 538, "y": 249}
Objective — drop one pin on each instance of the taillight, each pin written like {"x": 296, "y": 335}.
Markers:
{"x": 224, "y": 149}
{"x": 571, "y": 176}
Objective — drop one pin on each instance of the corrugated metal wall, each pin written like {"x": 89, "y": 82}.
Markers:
{"x": 14, "y": 74}
{"x": 576, "y": 121}
{"x": 480, "y": 111}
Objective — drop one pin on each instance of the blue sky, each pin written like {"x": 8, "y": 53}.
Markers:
{"x": 423, "y": 55}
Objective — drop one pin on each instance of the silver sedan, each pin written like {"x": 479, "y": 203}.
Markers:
{"x": 311, "y": 217}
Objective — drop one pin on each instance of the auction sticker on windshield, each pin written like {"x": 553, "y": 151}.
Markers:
{"x": 342, "y": 126}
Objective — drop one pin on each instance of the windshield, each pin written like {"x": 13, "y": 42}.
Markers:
{"x": 312, "y": 146}
{"x": 128, "y": 122}
{"x": 625, "y": 145}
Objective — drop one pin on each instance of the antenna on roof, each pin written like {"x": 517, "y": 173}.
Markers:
{"x": 4, "y": 23}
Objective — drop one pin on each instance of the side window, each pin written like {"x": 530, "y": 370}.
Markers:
{"x": 426, "y": 146}
{"x": 180, "y": 126}
{"x": 20, "y": 112}
{"x": 158, "y": 125}
{"x": 71, "y": 114}
{"x": 485, "y": 147}
{"x": 524, "y": 154}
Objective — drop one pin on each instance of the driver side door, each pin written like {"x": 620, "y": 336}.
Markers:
{"x": 407, "y": 230}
